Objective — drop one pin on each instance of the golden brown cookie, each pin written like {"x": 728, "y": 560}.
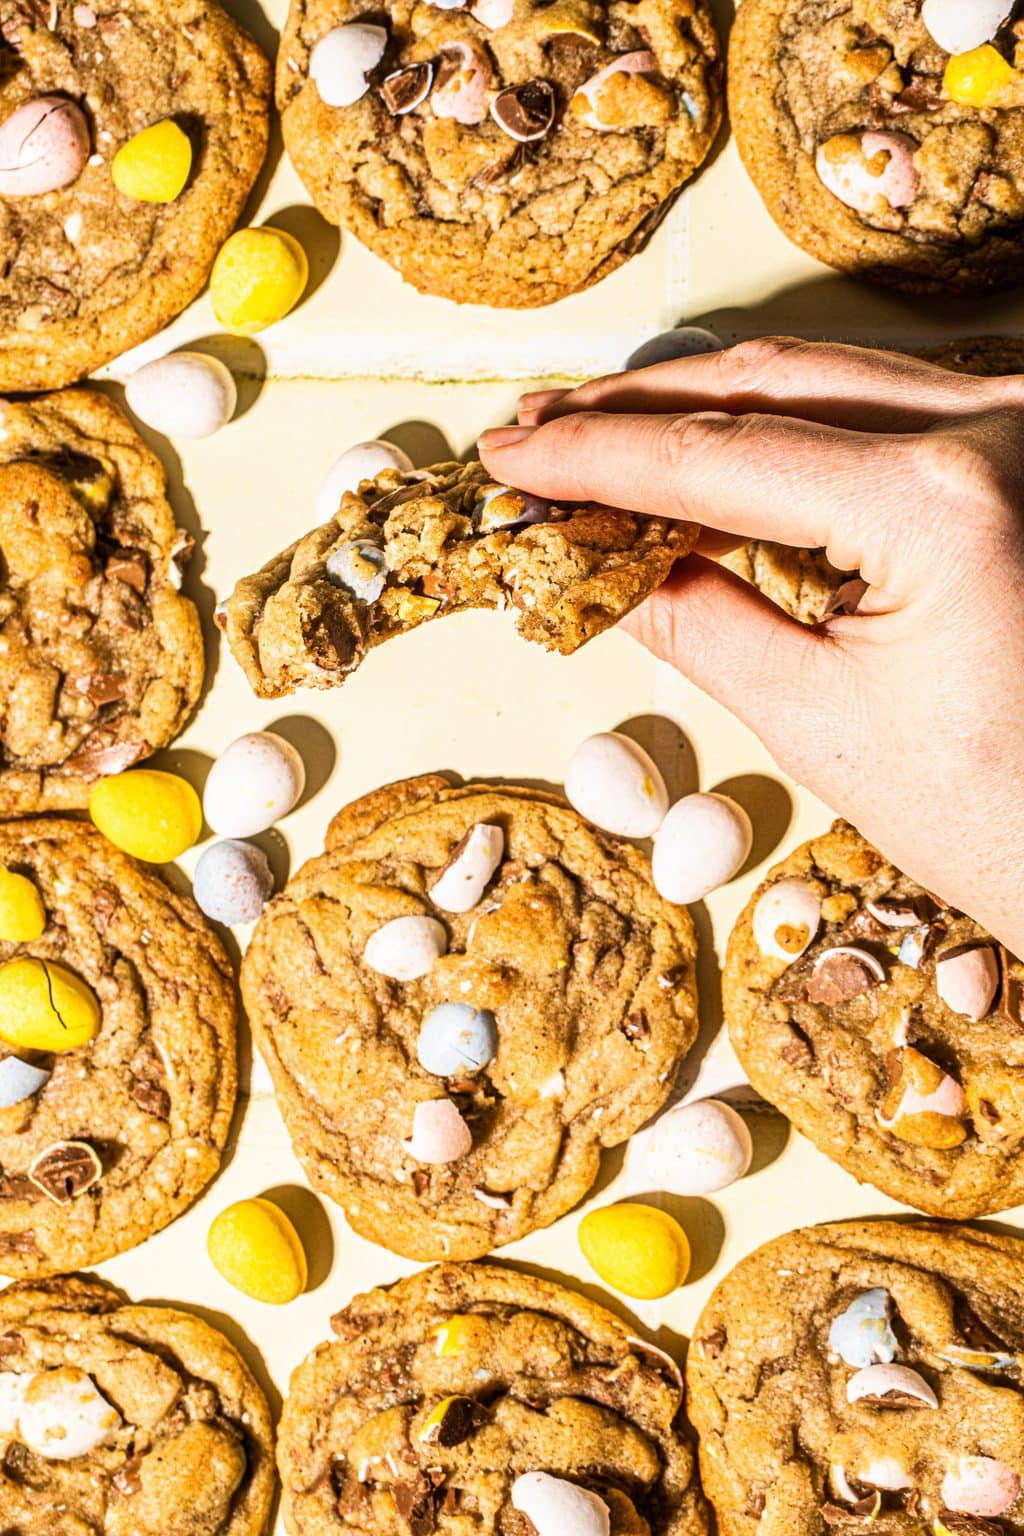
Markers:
{"x": 866, "y": 152}
{"x": 864, "y": 1377}
{"x": 887, "y": 1026}
{"x": 508, "y": 152}
{"x": 126, "y": 1128}
{"x": 408, "y": 548}
{"x": 125, "y": 1420}
{"x": 87, "y": 270}
{"x": 985, "y": 356}
{"x": 101, "y": 657}
{"x": 440, "y": 1400}
{"x": 550, "y": 998}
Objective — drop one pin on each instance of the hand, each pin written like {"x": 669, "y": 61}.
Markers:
{"x": 908, "y": 717}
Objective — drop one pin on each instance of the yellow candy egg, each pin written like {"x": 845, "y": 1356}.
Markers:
{"x": 636, "y": 1249}
{"x": 459, "y": 1334}
{"x": 259, "y": 275}
{"x": 22, "y": 914}
{"x": 153, "y": 815}
{"x": 154, "y": 166}
{"x": 44, "y": 1006}
{"x": 258, "y": 1251}
{"x": 979, "y": 78}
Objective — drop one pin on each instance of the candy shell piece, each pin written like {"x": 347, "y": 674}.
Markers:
{"x": 405, "y": 949}
{"x": 967, "y": 980}
{"x": 20, "y": 1080}
{"x": 462, "y": 83}
{"x": 684, "y": 341}
{"x": 636, "y": 1249}
{"x": 152, "y": 815}
{"x": 255, "y": 782}
{"x": 980, "y": 78}
{"x": 439, "y": 1133}
{"x": 233, "y": 882}
{"x": 185, "y": 394}
{"x": 556, "y": 1507}
{"x": 869, "y": 172}
{"x": 501, "y": 506}
{"x": 786, "y": 919}
{"x": 694, "y": 1149}
{"x": 22, "y": 913}
{"x": 702, "y": 843}
{"x": 455, "y": 1039}
{"x": 363, "y": 461}
{"x": 862, "y": 1335}
{"x": 155, "y": 164}
{"x": 492, "y": 14}
{"x": 463, "y": 880}
{"x": 614, "y": 783}
{"x": 342, "y": 60}
{"x": 890, "y": 1386}
{"x": 64, "y": 1415}
{"x": 981, "y": 1486}
{"x": 259, "y": 275}
{"x": 461, "y": 1334}
{"x": 359, "y": 567}
{"x": 958, "y": 26}
{"x": 45, "y": 1006}
{"x": 254, "y": 1246}
{"x": 601, "y": 102}
{"x": 44, "y": 145}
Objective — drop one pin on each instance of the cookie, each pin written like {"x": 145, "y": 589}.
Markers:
{"x": 871, "y": 150}
{"x": 413, "y": 547}
{"x": 461, "y": 1002}
{"x": 985, "y": 356}
{"x": 888, "y": 1027}
{"x": 127, "y": 1126}
{"x": 864, "y": 1376}
{"x": 125, "y": 1420}
{"x": 101, "y": 660}
{"x": 89, "y": 270}
{"x": 439, "y": 1400}
{"x": 505, "y": 153}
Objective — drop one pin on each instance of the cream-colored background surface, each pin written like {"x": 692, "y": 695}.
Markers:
{"x": 365, "y": 356}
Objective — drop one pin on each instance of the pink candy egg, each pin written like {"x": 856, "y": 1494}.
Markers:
{"x": 642, "y": 62}
{"x": 44, "y": 146}
{"x": 967, "y": 980}
{"x": 855, "y": 176}
{"x": 462, "y": 82}
{"x": 980, "y": 1485}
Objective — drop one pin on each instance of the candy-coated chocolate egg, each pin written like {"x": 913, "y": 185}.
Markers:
{"x": 22, "y": 913}
{"x": 703, "y": 842}
{"x": 967, "y": 980}
{"x": 636, "y": 1249}
{"x": 895, "y": 1386}
{"x": 462, "y": 882}
{"x": 154, "y": 165}
{"x": 360, "y": 568}
{"x": 45, "y": 1006}
{"x": 185, "y": 394}
{"x": 786, "y": 918}
{"x": 255, "y": 782}
{"x": 44, "y": 146}
{"x": 363, "y": 461}
{"x": 556, "y": 1507}
{"x": 341, "y": 61}
{"x": 981, "y": 1486}
{"x": 862, "y": 1335}
{"x": 152, "y": 815}
{"x": 254, "y": 1246}
{"x": 615, "y": 784}
{"x": 233, "y": 881}
{"x": 406, "y": 948}
{"x": 455, "y": 1039}
{"x": 960, "y": 25}
{"x": 64, "y": 1415}
{"x": 439, "y": 1133}
{"x": 259, "y": 275}
{"x": 693, "y": 1149}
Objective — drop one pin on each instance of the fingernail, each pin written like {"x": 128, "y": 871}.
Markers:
{"x": 537, "y": 399}
{"x": 503, "y": 437}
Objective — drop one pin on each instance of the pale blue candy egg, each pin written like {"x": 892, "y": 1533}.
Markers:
{"x": 232, "y": 882}
{"x": 684, "y": 341}
{"x": 862, "y": 1334}
{"x": 456, "y": 1038}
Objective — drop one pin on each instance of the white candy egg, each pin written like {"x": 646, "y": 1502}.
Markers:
{"x": 862, "y": 1335}
{"x": 254, "y": 783}
{"x": 684, "y": 341}
{"x": 439, "y": 1133}
{"x": 341, "y": 61}
{"x": 186, "y": 394}
{"x": 694, "y": 1149}
{"x": 615, "y": 784}
{"x": 406, "y": 948}
{"x": 465, "y": 877}
{"x": 19, "y": 1080}
{"x": 360, "y": 568}
{"x": 958, "y": 26}
{"x": 64, "y": 1416}
{"x": 363, "y": 461}
{"x": 967, "y": 980}
{"x": 232, "y": 882}
{"x": 981, "y": 1486}
{"x": 899, "y": 1381}
{"x": 703, "y": 841}
{"x": 556, "y": 1507}
{"x": 786, "y": 919}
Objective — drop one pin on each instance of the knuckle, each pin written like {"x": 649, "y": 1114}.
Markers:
{"x": 964, "y": 467}
{"x": 754, "y": 360}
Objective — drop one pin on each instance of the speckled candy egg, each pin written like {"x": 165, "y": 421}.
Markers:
{"x": 439, "y": 1133}
{"x": 980, "y": 1486}
{"x": 44, "y": 145}
{"x": 455, "y": 1039}
{"x": 669, "y": 346}
{"x": 254, "y": 783}
{"x": 341, "y": 61}
{"x": 556, "y": 1507}
{"x": 862, "y": 1335}
{"x": 63, "y": 1415}
{"x": 406, "y": 948}
{"x": 615, "y": 784}
{"x": 363, "y": 461}
{"x": 233, "y": 882}
{"x": 786, "y": 918}
{"x": 184, "y": 395}
{"x": 694, "y": 1149}
{"x": 960, "y": 25}
{"x": 703, "y": 841}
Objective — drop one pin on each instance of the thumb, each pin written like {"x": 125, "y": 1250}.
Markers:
{"x": 789, "y": 682}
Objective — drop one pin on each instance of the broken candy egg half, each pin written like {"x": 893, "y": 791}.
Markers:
{"x": 786, "y": 919}
{"x": 58, "y": 1414}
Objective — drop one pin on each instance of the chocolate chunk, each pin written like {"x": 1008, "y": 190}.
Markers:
{"x": 102, "y": 687}
{"x": 969, "y": 1525}
{"x": 151, "y": 1098}
{"x": 755, "y": 1506}
{"x": 798, "y": 1050}
{"x": 420, "y": 1181}
{"x": 417, "y": 1506}
{"x": 126, "y": 1480}
{"x": 66, "y": 1170}
{"x": 838, "y": 976}
{"x": 791, "y": 986}
{"x": 19, "y": 1242}
{"x": 712, "y": 1344}
{"x": 502, "y": 170}
{"x": 402, "y": 91}
{"x": 11, "y": 1343}
{"x": 525, "y": 112}
{"x": 129, "y": 566}
{"x": 922, "y": 94}
{"x": 635, "y": 1025}
{"x": 23, "y": 1467}
{"x": 414, "y": 491}
{"x": 17, "y": 1186}
{"x": 1011, "y": 996}
{"x": 462, "y": 1417}
{"x": 333, "y": 639}
{"x": 862, "y": 925}
{"x": 840, "y": 1514}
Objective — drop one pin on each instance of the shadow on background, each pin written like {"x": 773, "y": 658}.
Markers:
{"x": 320, "y": 241}
{"x": 310, "y": 1221}
{"x": 769, "y": 805}
{"x": 315, "y": 745}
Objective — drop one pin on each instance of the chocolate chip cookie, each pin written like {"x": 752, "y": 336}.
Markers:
{"x": 124, "y": 1420}
{"x": 874, "y": 149}
{"x": 461, "y": 1002}
{"x": 985, "y": 356}
{"x": 440, "y": 1401}
{"x": 122, "y": 1117}
{"x": 101, "y": 656}
{"x": 413, "y": 547}
{"x": 886, "y": 1025}
{"x": 89, "y": 271}
{"x": 864, "y": 1376}
{"x": 504, "y": 152}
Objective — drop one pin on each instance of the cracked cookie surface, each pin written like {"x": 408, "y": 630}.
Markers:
{"x": 894, "y": 1038}
{"x": 184, "y": 1441}
{"x": 88, "y": 271}
{"x": 421, "y": 549}
{"x": 470, "y": 209}
{"x": 530, "y": 1377}
{"x": 777, "y": 1354}
{"x": 855, "y": 100}
{"x": 147, "y": 1102}
{"x": 586, "y": 974}
{"x": 101, "y": 657}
